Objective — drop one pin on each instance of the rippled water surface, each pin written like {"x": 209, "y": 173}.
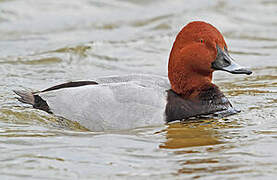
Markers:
{"x": 43, "y": 43}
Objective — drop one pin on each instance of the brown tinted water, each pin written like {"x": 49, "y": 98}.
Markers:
{"x": 43, "y": 43}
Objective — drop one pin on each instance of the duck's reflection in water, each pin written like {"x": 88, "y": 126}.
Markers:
{"x": 200, "y": 147}
{"x": 181, "y": 135}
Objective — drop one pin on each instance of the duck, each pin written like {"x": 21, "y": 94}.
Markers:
{"x": 140, "y": 100}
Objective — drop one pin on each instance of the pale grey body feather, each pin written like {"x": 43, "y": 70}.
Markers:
{"x": 117, "y": 102}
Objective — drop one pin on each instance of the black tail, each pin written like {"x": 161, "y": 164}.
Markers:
{"x": 35, "y": 100}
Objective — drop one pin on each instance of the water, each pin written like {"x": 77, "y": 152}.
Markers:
{"x": 43, "y": 43}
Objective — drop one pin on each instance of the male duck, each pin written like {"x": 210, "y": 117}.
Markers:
{"x": 123, "y": 102}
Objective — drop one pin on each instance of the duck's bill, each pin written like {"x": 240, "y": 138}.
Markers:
{"x": 224, "y": 62}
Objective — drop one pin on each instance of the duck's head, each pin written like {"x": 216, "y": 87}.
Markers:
{"x": 199, "y": 50}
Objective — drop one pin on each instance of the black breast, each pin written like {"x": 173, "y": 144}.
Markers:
{"x": 211, "y": 102}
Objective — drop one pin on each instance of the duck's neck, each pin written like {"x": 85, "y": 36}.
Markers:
{"x": 191, "y": 86}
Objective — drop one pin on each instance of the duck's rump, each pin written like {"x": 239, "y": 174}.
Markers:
{"x": 122, "y": 102}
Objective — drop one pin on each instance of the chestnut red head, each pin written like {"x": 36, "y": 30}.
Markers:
{"x": 199, "y": 50}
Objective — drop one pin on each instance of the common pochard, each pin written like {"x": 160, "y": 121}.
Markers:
{"x": 130, "y": 101}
